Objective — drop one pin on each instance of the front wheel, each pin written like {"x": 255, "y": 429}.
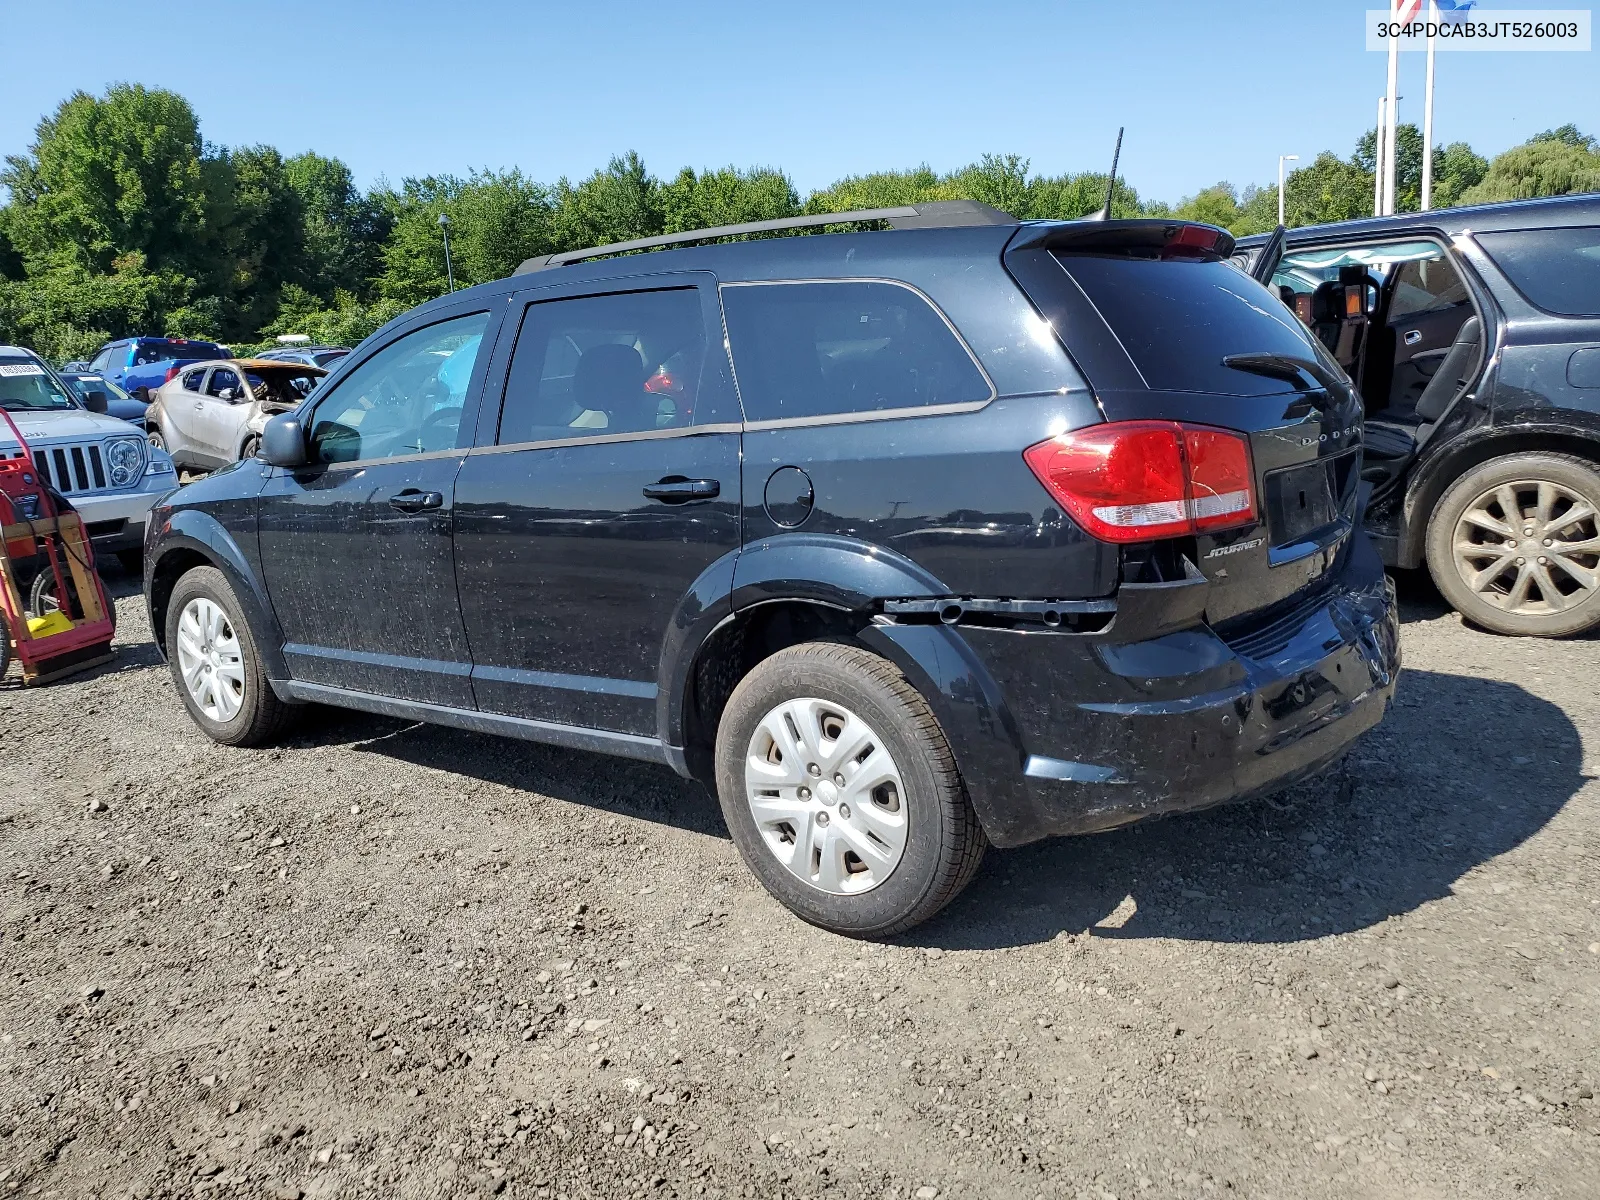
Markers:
{"x": 157, "y": 439}
{"x": 216, "y": 665}
{"x": 252, "y": 444}
{"x": 841, "y": 792}
{"x": 1514, "y": 545}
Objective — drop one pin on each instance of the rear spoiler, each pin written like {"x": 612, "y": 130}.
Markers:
{"x": 1135, "y": 238}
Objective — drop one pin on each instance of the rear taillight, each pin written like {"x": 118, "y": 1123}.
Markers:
{"x": 172, "y": 373}
{"x": 1134, "y": 481}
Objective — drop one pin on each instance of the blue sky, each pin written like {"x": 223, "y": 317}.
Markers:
{"x": 821, "y": 89}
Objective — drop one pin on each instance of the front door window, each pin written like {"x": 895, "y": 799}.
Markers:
{"x": 406, "y": 399}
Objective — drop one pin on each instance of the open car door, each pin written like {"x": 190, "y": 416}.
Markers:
{"x": 1265, "y": 264}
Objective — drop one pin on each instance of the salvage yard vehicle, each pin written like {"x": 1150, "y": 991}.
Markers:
{"x": 211, "y": 413}
{"x": 118, "y": 403}
{"x": 1474, "y": 336}
{"x": 139, "y": 365}
{"x": 101, "y": 465}
{"x": 905, "y": 541}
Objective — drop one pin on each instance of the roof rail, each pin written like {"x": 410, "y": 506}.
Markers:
{"x": 937, "y": 214}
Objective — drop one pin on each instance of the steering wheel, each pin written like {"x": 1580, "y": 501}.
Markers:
{"x": 442, "y": 424}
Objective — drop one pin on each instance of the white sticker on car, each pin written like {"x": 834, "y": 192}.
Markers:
{"x": 9, "y": 370}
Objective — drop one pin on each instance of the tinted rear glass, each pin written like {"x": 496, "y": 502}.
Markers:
{"x": 825, "y": 349}
{"x": 1557, "y": 269}
{"x": 1178, "y": 320}
{"x": 157, "y": 350}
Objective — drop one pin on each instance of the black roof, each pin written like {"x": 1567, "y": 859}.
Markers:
{"x": 1582, "y": 209}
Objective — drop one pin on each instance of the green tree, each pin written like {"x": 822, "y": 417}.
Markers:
{"x": 497, "y": 219}
{"x": 344, "y": 230}
{"x": 1408, "y": 159}
{"x": 111, "y": 175}
{"x": 1456, "y": 168}
{"x": 1329, "y": 189}
{"x": 617, "y": 204}
{"x": 68, "y": 311}
{"x": 1568, "y": 135}
{"x": 1547, "y": 166}
{"x": 881, "y": 189}
{"x": 1215, "y": 205}
{"x": 264, "y": 239}
{"x": 726, "y": 197}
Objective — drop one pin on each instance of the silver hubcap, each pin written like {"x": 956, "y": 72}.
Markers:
{"x": 210, "y": 659}
{"x": 826, "y": 796}
{"x": 1531, "y": 547}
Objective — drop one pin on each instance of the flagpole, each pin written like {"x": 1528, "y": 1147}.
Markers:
{"x": 1427, "y": 119}
{"x": 1377, "y": 162}
{"x": 1389, "y": 132}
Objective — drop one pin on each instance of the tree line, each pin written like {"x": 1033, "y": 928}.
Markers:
{"x": 121, "y": 219}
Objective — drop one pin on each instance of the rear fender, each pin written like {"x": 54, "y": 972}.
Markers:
{"x": 856, "y": 577}
{"x": 191, "y": 532}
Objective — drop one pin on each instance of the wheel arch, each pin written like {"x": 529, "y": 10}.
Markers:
{"x": 196, "y": 539}
{"x": 1434, "y": 477}
{"x": 801, "y": 588}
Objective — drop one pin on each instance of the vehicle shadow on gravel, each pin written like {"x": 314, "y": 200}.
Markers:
{"x": 1462, "y": 770}
{"x": 615, "y": 785}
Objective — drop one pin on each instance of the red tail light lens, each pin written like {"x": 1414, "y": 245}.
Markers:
{"x": 172, "y": 373}
{"x": 1135, "y": 481}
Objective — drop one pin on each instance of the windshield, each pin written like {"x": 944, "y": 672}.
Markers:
{"x": 94, "y": 383}
{"x": 25, "y": 386}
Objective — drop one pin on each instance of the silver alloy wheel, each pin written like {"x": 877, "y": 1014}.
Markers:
{"x": 1530, "y": 547}
{"x": 826, "y": 796}
{"x": 210, "y": 659}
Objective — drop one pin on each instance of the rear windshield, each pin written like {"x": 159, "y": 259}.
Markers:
{"x": 1557, "y": 269}
{"x": 160, "y": 351}
{"x": 1179, "y": 319}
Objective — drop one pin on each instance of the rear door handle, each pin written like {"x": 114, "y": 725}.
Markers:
{"x": 1413, "y": 336}
{"x": 676, "y": 490}
{"x": 412, "y": 500}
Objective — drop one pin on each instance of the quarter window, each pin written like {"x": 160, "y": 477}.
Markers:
{"x": 828, "y": 349}
{"x": 191, "y": 381}
{"x": 599, "y": 365}
{"x": 1557, "y": 269}
{"x": 406, "y": 399}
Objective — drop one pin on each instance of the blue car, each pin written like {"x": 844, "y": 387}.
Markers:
{"x": 118, "y": 403}
{"x": 139, "y": 365}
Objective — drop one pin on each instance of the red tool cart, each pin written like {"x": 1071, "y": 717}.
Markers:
{"x": 35, "y": 526}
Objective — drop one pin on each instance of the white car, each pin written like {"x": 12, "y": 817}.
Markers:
{"x": 211, "y": 414}
{"x": 98, "y": 463}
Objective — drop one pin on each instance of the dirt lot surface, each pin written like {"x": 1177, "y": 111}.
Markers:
{"x": 394, "y": 960}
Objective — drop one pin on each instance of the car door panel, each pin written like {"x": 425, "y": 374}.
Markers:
{"x": 570, "y": 573}
{"x": 356, "y": 546}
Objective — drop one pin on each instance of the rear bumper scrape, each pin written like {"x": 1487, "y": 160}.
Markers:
{"x": 1112, "y": 731}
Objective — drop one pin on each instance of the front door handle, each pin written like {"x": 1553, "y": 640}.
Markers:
{"x": 675, "y": 489}
{"x": 1413, "y": 336}
{"x": 412, "y": 500}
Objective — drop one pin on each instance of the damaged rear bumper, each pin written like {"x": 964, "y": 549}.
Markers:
{"x": 1113, "y": 731}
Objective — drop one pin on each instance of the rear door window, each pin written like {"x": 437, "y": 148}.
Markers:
{"x": 1557, "y": 269}
{"x": 820, "y": 349}
{"x": 594, "y": 366}
{"x": 1178, "y": 320}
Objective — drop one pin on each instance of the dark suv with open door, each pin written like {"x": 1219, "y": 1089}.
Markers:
{"x": 906, "y": 541}
{"x": 1474, "y": 335}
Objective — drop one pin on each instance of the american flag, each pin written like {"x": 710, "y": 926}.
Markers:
{"x": 1406, "y": 10}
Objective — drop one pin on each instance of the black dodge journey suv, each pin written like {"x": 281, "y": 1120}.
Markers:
{"x": 905, "y": 540}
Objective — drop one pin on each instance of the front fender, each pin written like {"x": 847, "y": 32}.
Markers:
{"x": 181, "y": 535}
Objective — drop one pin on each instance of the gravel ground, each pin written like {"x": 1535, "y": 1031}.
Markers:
{"x": 393, "y": 960}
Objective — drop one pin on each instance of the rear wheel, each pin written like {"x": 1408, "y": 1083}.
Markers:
{"x": 216, "y": 665}
{"x": 1514, "y": 545}
{"x": 841, "y": 792}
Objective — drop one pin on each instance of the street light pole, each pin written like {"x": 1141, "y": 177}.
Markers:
{"x": 1377, "y": 159}
{"x": 449, "y": 271}
{"x": 1283, "y": 158}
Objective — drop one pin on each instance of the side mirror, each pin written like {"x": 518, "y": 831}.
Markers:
{"x": 229, "y": 394}
{"x": 283, "y": 442}
{"x": 95, "y": 401}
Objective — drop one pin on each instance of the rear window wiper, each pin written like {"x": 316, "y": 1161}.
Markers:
{"x": 1286, "y": 366}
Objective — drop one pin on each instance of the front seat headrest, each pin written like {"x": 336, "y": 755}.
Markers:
{"x": 610, "y": 377}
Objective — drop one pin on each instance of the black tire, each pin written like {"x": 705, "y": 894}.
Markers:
{"x": 42, "y": 598}
{"x": 154, "y": 435}
{"x": 1519, "y": 476}
{"x": 944, "y": 842}
{"x": 5, "y": 645}
{"x": 262, "y": 717}
{"x": 252, "y": 444}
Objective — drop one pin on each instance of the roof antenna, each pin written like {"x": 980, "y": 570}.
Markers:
{"x": 1111, "y": 184}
